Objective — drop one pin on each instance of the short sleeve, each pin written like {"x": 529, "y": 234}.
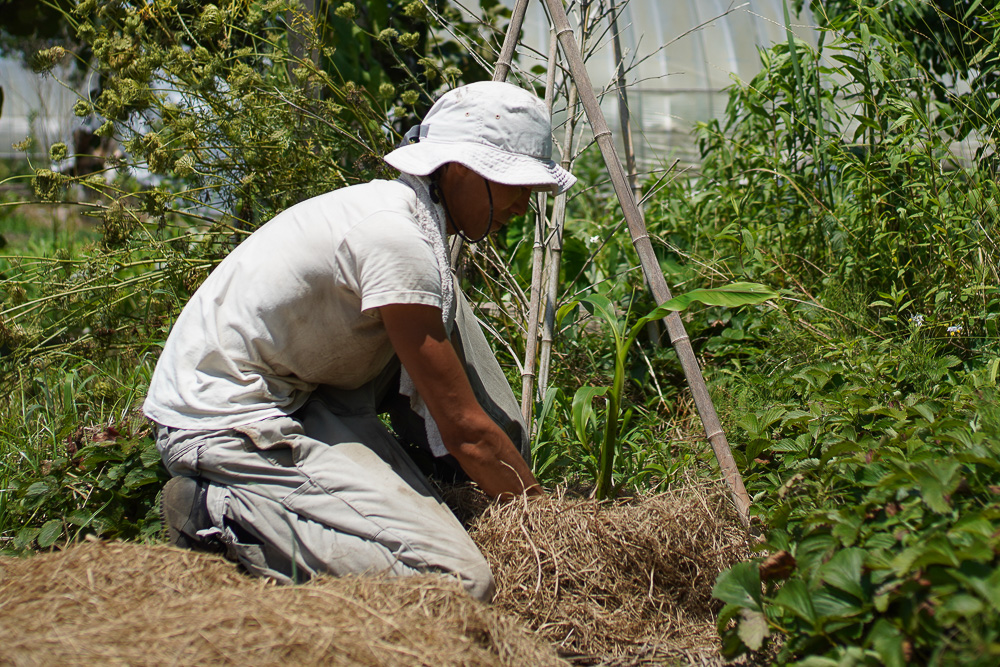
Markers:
{"x": 387, "y": 260}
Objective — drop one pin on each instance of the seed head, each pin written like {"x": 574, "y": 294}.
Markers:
{"x": 46, "y": 59}
{"x": 346, "y": 11}
{"x": 409, "y": 40}
{"x": 58, "y": 152}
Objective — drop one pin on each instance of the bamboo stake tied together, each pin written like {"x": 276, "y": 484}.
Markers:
{"x": 637, "y": 230}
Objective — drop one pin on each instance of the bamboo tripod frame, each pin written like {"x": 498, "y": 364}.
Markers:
{"x": 637, "y": 230}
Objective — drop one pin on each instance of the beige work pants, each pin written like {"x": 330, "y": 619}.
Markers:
{"x": 329, "y": 489}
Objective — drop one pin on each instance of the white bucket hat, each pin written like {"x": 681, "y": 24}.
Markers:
{"x": 500, "y": 131}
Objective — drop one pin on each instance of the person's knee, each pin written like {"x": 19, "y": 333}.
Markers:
{"x": 478, "y": 579}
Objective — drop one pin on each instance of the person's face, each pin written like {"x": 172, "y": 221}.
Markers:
{"x": 469, "y": 202}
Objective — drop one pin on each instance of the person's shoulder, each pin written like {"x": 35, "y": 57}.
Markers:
{"x": 382, "y": 194}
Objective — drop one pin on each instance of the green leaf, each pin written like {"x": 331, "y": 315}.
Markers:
{"x": 972, "y": 8}
{"x": 887, "y": 641}
{"x": 728, "y": 613}
{"x": 37, "y": 489}
{"x": 25, "y": 537}
{"x": 843, "y": 571}
{"x": 752, "y": 628}
{"x": 796, "y": 598}
{"x": 150, "y": 457}
{"x": 583, "y": 410}
{"x": 565, "y": 309}
{"x": 50, "y": 532}
{"x": 932, "y": 492}
{"x": 602, "y": 306}
{"x": 817, "y": 661}
{"x": 925, "y": 411}
{"x": 962, "y": 606}
{"x": 740, "y": 585}
{"x": 140, "y": 477}
{"x": 831, "y": 603}
{"x": 730, "y": 296}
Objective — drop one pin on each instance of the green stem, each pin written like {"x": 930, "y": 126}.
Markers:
{"x": 610, "y": 446}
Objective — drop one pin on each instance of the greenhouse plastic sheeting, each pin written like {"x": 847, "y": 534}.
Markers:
{"x": 681, "y": 55}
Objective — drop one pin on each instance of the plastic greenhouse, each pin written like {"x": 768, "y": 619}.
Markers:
{"x": 681, "y": 56}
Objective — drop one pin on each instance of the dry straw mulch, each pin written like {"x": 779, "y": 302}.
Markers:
{"x": 623, "y": 583}
{"x": 628, "y": 581}
{"x": 118, "y": 603}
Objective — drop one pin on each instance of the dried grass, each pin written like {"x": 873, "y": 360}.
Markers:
{"x": 623, "y": 583}
{"x": 117, "y": 603}
{"x": 627, "y": 581}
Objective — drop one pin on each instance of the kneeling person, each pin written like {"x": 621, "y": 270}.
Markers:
{"x": 267, "y": 395}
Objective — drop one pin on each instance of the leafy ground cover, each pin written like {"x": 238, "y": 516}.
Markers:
{"x": 854, "y": 180}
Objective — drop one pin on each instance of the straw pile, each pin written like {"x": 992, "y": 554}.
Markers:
{"x": 623, "y": 583}
{"x": 627, "y": 582}
{"x": 117, "y": 603}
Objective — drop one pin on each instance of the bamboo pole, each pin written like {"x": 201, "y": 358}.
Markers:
{"x": 502, "y": 68}
{"x": 554, "y": 256}
{"x": 647, "y": 258}
{"x": 555, "y": 243}
{"x": 624, "y": 116}
{"x": 538, "y": 252}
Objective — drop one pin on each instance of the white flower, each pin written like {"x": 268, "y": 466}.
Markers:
{"x": 593, "y": 239}
{"x": 917, "y": 320}
{"x": 954, "y": 331}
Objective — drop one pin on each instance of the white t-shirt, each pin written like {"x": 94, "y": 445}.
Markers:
{"x": 294, "y": 306}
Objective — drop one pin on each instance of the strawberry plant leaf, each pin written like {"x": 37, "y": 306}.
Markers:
{"x": 740, "y": 585}
{"x": 753, "y": 629}
{"x": 843, "y": 572}
{"x": 50, "y": 532}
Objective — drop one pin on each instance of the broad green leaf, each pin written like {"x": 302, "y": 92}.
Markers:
{"x": 797, "y": 599}
{"x": 36, "y": 489}
{"x": 25, "y": 536}
{"x": 932, "y": 491}
{"x": 962, "y": 605}
{"x": 150, "y": 457}
{"x": 740, "y": 585}
{"x": 843, "y": 571}
{"x": 730, "y": 296}
{"x": 830, "y": 603}
{"x": 140, "y": 477}
{"x": 925, "y": 411}
{"x": 565, "y": 309}
{"x": 49, "y": 533}
{"x": 985, "y": 584}
{"x": 752, "y": 628}
{"x": 583, "y": 410}
{"x": 974, "y": 525}
{"x": 936, "y": 551}
{"x": 887, "y": 641}
{"x": 602, "y": 306}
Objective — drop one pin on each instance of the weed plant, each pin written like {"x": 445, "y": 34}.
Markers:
{"x": 864, "y": 404}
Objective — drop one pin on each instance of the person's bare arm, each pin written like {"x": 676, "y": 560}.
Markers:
{"x": 482, "y": 449}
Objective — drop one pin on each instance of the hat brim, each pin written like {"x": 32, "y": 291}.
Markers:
{"x": 424, "y": 157}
